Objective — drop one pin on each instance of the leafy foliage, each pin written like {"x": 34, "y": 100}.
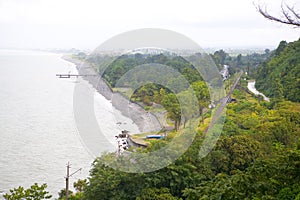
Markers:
{"x": 155, "y": 193}
{"x": 246, "y": 62}
{"x": 172, "y": 105}
{"x": 35, "y": 192}
{"x": 257, "y": 157}
{"x": 125, "y": 63}
{"x": 171, "y": 87}
{"x": 79, "y": 186}
{"x": 280, "y": 76}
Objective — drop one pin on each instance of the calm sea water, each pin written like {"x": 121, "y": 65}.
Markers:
{"x": 38, "y": 134}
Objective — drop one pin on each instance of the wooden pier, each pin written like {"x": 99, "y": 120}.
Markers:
{"x": 74, "y": 75}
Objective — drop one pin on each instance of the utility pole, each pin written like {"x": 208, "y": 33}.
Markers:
{"x": 67, "y": 178}
{"x": 67, "y": 181}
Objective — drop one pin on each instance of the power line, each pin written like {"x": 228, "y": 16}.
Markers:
{"x": 67, "y": 178}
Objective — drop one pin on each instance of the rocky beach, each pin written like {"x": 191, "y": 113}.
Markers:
{"x": 146, "y": 121}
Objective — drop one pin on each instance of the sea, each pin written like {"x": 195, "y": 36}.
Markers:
{"x": 38, "y": 132}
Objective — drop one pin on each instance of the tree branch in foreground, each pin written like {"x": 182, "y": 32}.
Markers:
{"x": 290, "y": 15}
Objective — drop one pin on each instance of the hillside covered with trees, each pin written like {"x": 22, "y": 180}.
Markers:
{"x": 126, "y": 62}
{"x": 257, "y": 157}
{"x": 279, "y": 76}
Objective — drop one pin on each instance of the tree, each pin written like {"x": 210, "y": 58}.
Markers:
{"x": 290, "y": 15}
{"x": 240, "y": 152}
{"x": 279, "y": 76}
{"x": 80, "y": 185}
{"x": 188, "y": 105}
{"x": 171, "y": 104}
{"x": 202, "y": 93}
{"x": 280, "y": 47}
{"x": 62, "y": 194}
{"x": 239, "y": 60}
{"x": 155, "y": 193}
{"x": 35, "y": 192}
{"x": 219, "y": 57}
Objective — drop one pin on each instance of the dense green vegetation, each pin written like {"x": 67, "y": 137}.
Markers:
{"x": 79, "y": 186}
{"x": 171, "y": 86}
{"x": 34, "y": 192}
{"x": 279, "y": 77}
{"x": 124, "y": 63}
{"x": 257, "y": 157}
{"x": 247, "y": 63}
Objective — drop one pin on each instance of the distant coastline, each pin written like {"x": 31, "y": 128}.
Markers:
{"x": 146, "y": 121}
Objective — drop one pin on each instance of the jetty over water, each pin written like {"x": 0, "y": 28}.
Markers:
{"x": 74, "y": 75}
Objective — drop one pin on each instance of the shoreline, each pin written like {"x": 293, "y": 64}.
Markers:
{"x": 145, "y": 121}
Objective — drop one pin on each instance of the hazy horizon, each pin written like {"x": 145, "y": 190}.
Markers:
{"x": 213, "y": 24}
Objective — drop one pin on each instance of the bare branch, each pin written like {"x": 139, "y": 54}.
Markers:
{"x": 286, "y": 15}
{"x": 290, "y": 16}
{"x": 292, "y": 10}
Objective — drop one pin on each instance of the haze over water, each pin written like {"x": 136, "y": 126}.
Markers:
{"x": 37, "y": 128}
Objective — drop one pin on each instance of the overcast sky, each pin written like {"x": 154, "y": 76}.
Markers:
{"x": 85, "y": 24}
